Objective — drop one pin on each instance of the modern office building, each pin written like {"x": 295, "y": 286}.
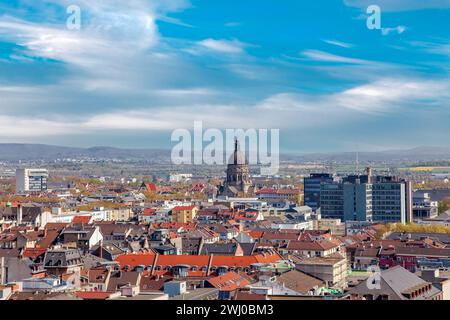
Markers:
{"x": 391, "y": 200}
{"x": 31, "y": 180}
{"x": 423, "y": 206}
{"x": 358, "y": 201}
{"x": 367, "y": 198}
{"x": 312, "y": 188}
{"x": 331, "y": 201}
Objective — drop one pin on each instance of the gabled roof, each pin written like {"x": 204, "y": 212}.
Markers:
{"x": 81, "y": 219}
{"x": 121, "y": 279}
{"x": 299, "y": 281}
{"x": 229, "y": 281}
{"x": 220, "y": 248}
{"x": 33, "y": 253}
{"x": 397, "y": 283}
{"x": 321, "y": 245}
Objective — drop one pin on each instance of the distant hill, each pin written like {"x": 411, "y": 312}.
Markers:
{"x": 27, "y": 152}
{"x": 415, "y": 154}
{"x": 24, "y": 152}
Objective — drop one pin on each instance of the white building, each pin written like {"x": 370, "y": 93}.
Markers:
{"x": 58, "y": 216}
{"x": 179, "y": 177}
{"x": 29, "y": 180}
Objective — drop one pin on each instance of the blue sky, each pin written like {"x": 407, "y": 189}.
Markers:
{"x": 136, "y": 71}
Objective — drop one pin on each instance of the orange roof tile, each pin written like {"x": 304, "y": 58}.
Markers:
{"x": 81, "y": 219}
{"x": 93, "y": 295}
{"x": 229, "y": 281}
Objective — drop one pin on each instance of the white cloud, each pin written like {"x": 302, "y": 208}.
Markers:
{"x": 285, "y": 110}
{"x": 388, "y": 31}
{"x": 223, "y": 46}
{"x": 338, "y": 43}
{"x": 318, "y": 55}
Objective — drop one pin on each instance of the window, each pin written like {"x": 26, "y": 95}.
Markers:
{"x": 195, "y": 268}
{"x": 158, "y": 268}
{"x": 168, "y": 268}
{"x": 204, "y": 269}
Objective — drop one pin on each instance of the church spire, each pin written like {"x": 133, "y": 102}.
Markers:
{"x": 236, "y": 150}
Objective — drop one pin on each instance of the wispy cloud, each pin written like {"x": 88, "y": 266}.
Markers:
{"x": 318, "y": 55}
{"x": 388, "y": 95}
{"x": 397, "y": 30}
{"x": 338, "y": 43}
{"x": 223, "y": 46}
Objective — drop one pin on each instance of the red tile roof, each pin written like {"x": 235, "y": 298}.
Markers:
{"x": 93, "y": 295}
{"x": 151, "y": 187}
{"x": 136, "y": 259}
{"x": 182, "y": 208}
{"x": 229, "y": 281}
{"x": 33, "y": 253}
{"x": 81, "y": 219}
{"x": 149, "y": 211}
{"x": 163, "y": 261}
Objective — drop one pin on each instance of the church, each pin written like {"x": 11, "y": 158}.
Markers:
{"x": 237, "y": 183}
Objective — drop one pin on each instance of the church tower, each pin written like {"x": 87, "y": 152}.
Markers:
{"x": 237, "y": 182}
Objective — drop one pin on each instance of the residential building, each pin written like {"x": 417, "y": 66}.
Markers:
{"x": 184, "y": 214}
{"x": 331, "y": 270}
{"x": 276, "y": 195}
{"x": 31, "y": 180}
{"x": 396, "y": 283}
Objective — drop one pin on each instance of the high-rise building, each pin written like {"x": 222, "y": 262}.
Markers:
{"x": 312, "y": 188}
{"x": 31, "y": 180}
{"x": 357, "y": 201}
{"x": 392, "y": 200}
{"x": 367, "y": 198}
{"x": 331, "y": 201}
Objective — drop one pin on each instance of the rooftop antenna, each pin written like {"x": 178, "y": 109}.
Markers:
{"x": 357, "y": 161}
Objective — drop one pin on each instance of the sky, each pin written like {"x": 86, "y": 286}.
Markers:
{"x": 137, "y": 70}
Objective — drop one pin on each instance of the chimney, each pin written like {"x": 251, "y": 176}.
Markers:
{"x": 19, "y": 214}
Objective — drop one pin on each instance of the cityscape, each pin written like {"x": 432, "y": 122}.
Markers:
{"x": 73, "y": 235}
{"x": 203, "y": 151}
